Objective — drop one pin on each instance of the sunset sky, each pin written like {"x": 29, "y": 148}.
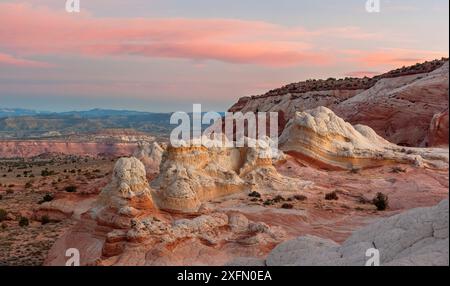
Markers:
{"x": 165, "y": 55}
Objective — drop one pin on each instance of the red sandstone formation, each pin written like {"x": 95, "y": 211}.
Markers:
{"x": 398, "y": 105}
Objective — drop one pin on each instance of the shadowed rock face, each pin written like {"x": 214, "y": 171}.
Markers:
{"x": 399, "y": 106}
{"x": 400, "y": 109}
{"x": 324, "y": 139}
{"x": 416, "y": 237}
{"x": 150, "y": 154}
{"x": 438, "y": 133}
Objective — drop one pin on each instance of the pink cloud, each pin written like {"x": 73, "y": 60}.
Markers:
{"x": 10, "y": 60}
{"x": 391, "y": 57}
{"x": 35, "y": 30}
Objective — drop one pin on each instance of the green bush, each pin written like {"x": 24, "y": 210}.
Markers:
{"x": 268, "y": 202}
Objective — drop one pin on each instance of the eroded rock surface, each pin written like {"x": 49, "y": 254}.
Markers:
{"x": 416, "y": 237}
{"x": 150, "y": 154}
{"x": 192, "y": 175}
{"x": 398, "y": 105}
{"x": 321, "y": 137}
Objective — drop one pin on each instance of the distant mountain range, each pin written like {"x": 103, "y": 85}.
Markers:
{"x": 20, "y": 123}
{"x": 15, "y": 112}
{"x": 17, "y": 123}
{"x": 12, "y": 112}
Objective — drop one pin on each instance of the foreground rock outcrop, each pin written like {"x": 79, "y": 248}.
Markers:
{"x": 419, "y": 237}
{"x": 125, "y": 227}
{"x": 193, "y": 175}
{"x": 320, "y": 137}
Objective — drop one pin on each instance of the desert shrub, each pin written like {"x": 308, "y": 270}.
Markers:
{"x": 287, "y": 206}
{"x": 44, "y": 173}
{"x": 9, "y": 191}
{"x": 24, "y": 222}
{"x": 397, "y": 170}
{"x": 70, "y": 189}
{"x": 300, "y": 198}
{"x": 47, "y": 198}
{"x": 45, "y": 219}
{"x": 381, "y": 201}
{"x": 254, "y": 194}
{"x": 278, "y": 199}
{"x": 28, "y": 185}
{"x": 362, "y": 200}
{"x": 331, "y": 196}
{"x": 4, "y": 226}
{"x": 354, "y": 171}
{"x": 3, "y": 215}
{"x": 268, "y": 202}
{"x": 1, "y": 197}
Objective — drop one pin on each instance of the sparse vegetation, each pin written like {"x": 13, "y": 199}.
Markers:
{"x": 278, "y": 199}
{"x": 23, "y": 222}
{"x": 3, "y": 215}
{"x": 351, "y": 83}
{"x": 397, "y": 170}
{"x": 300, "y": 198}
{"x": 254, "y": 194}
{"x": 331, "y": 196}
{"x": 45, "y": 219}
{"x": 46, "y": 198}
{"x": 268, "y": 202}
{"x": 381, "y": 201}
{"x": 287, "y": 206}
{"x": 70, "y": 189}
